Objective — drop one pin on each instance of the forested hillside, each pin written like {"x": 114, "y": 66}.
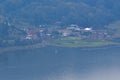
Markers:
{"x": 95, "y": 13}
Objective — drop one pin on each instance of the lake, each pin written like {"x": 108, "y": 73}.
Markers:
{"x": 56, "y": 63}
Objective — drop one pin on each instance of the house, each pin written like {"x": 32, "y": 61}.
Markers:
{"x": 65, "y": 32}
{"x": 87, "y": 29}
{"x": 74, "y": 25}
{"x": 28, "y": 37}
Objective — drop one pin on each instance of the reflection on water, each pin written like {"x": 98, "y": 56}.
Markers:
{"x": 54, "y": 63}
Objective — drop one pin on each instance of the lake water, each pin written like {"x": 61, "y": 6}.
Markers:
{"x": 55, "y": 63}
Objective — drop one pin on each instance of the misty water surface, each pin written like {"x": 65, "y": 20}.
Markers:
{"x": 55, "y": 63}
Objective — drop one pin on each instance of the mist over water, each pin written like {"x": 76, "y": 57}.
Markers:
{"x": 55, "y": 63}
{"x": 112, "y": 73}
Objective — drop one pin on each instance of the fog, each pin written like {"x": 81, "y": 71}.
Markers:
{"x": 112, "y": 73}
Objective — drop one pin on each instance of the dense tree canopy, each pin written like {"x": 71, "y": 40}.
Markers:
{"x": 96, "y": 13}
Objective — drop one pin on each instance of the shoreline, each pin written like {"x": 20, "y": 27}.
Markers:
{"x": 39, "y": 45}
{"x": 14, "y": 48}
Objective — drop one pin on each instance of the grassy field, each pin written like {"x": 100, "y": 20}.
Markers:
{"x": 76, "y": 42}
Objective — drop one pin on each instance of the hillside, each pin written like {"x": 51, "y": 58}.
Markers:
{"x": 95, "y": 13}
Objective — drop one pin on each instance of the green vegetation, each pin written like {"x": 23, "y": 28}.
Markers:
{"x": 18, "y": 15}
{"x": 76, "y": 42}
{"x": 115, "y": 27}
{"x": 81, "y": 12}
